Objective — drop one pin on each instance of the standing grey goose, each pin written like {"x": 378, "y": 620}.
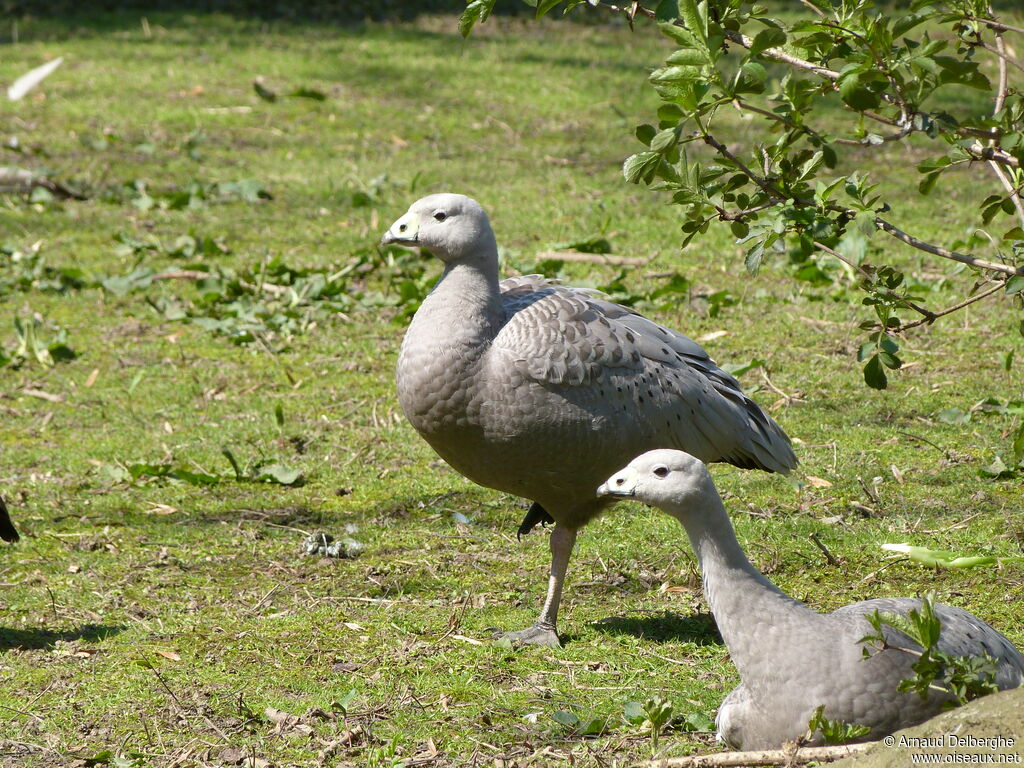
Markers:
{"x": 792, "y": 659}
{"x": 542, "y": 390}
{"x": 7, "y": 530}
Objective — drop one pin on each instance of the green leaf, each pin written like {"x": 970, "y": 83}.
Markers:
{"x": 752, "y": 261}
{"x": 263, "y": 92}
{"x": 694, "y": 20}
{"x": 664, "y": 140}
{"x": 810, "y": 167}
{"x": 305, "y": 92}
{"x": 567, "y": 719}
{"x": 1018, "y": 445}
{"x": 750, "y": 78}
{"x": 962, "y": 72}
{"x": 40, "y": 195}
{"x": 770, "y": 37}
{"x": 61, "y": 353}
{"x": 675, "y": 75}
{"x": 193, "y": 478}
{"x": 927, "y": 184}
{"x": 633, "y": 713}
{"x": 476, "y": 11}
{"x": 595, "y": 726}
{"x": 645, "y": 133}
{"x": 279, "y": 415}
{"x": 1008, "y": 360}
{"x": 667, "y": 10}
{"x": 693, "y": 57}
{"x": 544, "y": 6}
{"x": 670, "y": 115}
{"x": 874, "y": 373}
{"x": 823, "y": 192}
{"x": 855, "y": 95}
{"x": 907, "y": 22}
{"x": 681, "y": 35}
{"x": 596, "y": 244}
{"x": 698, "y": 721}
{"x": 889, "y": 360}
{"x": 1015, "y": 284}
{"x": 943, "y": 558}
{"x": 997, "y": 470}
{"x": 232, "y": 461}
{"x": 738, "y": 369}
{"x": 954, "y": 416}
{"x": 280, "y": 474}
{"x": 641, "y": 167}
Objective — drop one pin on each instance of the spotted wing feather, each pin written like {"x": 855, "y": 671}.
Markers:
{"x": 573, "y": 338}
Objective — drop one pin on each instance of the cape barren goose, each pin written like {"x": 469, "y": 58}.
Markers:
{"x": 542, "y": 390}
{"x": 792, "y": 659}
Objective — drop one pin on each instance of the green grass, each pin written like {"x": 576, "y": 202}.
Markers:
{"x": 163, "y": 619}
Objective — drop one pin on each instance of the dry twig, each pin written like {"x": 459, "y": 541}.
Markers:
{"x": 786, "y": 757}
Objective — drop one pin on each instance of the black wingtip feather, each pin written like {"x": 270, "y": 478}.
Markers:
{"x": 535, "y": 514}
{"x": 7, "y": 530}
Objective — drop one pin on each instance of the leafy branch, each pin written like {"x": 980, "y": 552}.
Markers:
{"x": 964, "y": 678}
{"x": 835, "y": 731}
{"x": 783, "y": 193}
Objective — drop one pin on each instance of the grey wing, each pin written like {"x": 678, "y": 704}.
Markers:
{"x": 554, "y": 336}
{"x": 760, "y": 442}
{"x": 963, "y": 634}
{"x": 570, "y": 337}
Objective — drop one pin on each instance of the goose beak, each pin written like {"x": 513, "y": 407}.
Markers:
{"x": 622, "y": 483}
{"x": 405, "y": 231}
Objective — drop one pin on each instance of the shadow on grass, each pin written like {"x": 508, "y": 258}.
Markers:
{"x": 46, "y": 639}
{"x": 699, "y": 629}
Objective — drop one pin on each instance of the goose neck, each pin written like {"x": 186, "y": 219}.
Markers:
{"x": 466, "y": 299}
{"x": 738, "y": 594}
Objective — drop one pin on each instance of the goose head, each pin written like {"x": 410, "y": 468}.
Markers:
{"x": 668, "y": 479}
{"x": 451, "y": 227}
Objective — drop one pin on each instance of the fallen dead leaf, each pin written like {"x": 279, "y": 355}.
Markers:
{"x": 173, "y": 656}
{"x": 161, "y": 509}
{"x": 666, "y": 588}
{"x": 817, "y": 482}
{"x": 286, "y": 722}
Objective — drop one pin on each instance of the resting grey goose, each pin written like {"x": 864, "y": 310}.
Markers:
{"x": 542, "y": 390}
{"x": 792, "y": 659}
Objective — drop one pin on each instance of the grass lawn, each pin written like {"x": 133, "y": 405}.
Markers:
{"x": 160, "y": 609}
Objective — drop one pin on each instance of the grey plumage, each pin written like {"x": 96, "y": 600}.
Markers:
{"x": 792, "y": 659}
{"x": 541, "y": 390}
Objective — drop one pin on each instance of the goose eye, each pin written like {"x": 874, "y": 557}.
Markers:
{"x": 440, "y": 216}
{"x": 660, "y": 471}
